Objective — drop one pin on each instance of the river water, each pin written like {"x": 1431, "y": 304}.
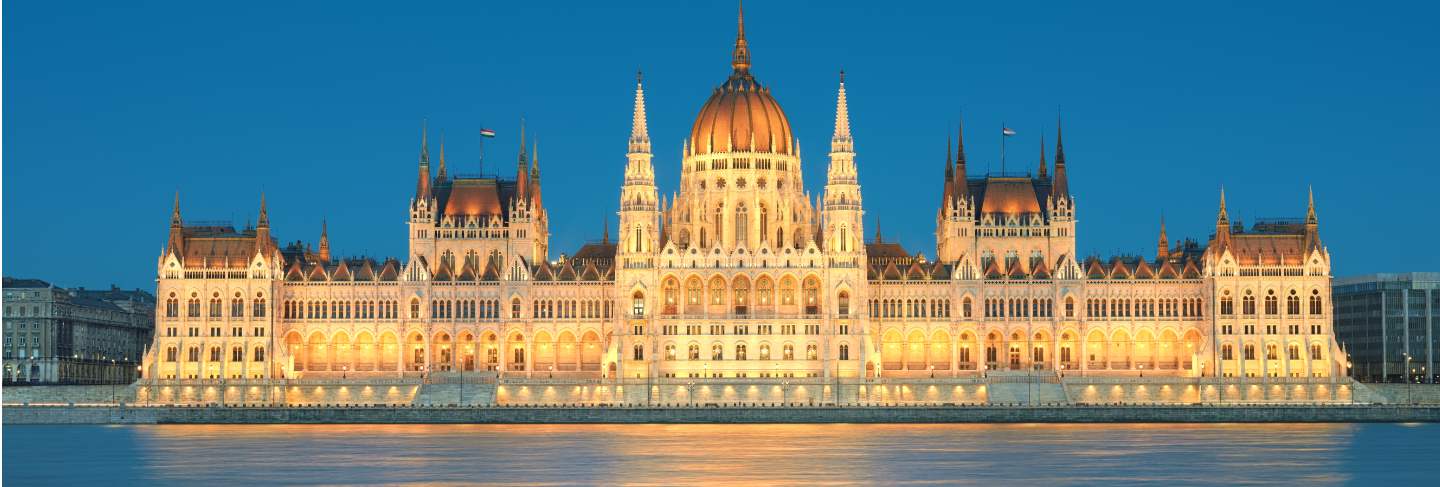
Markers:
{"x": 995, "y": 455}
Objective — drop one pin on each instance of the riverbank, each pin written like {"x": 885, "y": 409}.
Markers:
{"x": 17, "y": 415}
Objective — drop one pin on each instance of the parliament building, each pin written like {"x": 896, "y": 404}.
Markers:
{"x": 739, "y": 275}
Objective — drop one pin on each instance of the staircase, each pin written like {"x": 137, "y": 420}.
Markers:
{"x": 1025, "y": 387}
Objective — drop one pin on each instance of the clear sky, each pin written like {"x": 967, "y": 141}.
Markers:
{"x": 110, "y": 108}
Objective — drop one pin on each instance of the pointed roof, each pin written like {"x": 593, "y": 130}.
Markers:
{"x": 422, "y": 185}
{"x": 175, "y": 220}
{"x": 1043, "y": 170}
{"x": 639, "y": 129}
{"x": 740, "y": 60}
{"x": 962, "y": 187}
{"x": 440, "y": 174}
{"x": 1310, "y": 218}
{"x": 1062, "y": 181}
{"x": 1162, "y": 248}
{"x": 264, "y": 220}
{"x": 842, "y": 118}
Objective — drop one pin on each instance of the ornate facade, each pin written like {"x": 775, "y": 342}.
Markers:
{"x": 740, "y": 274}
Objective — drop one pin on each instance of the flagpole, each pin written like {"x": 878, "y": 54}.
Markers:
{"x": 1002, "y": 148}
{"x": 482, "y": 151}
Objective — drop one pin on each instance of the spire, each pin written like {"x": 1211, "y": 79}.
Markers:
{"x": 879, "y": 238}
{"x": 264, "y": 221}
{"x": 1224, "y": 218}
{"x": 842, "y": 117}
{"x": 741, "y": 58}
{"x": 1162, "y": 248}
{"x": 1310, "y": 218}
{"x": 422, "y": 185}
{"x": 440, "y": 175}
{"x": 522, "y": 168}
{"x": 1062, "y": 183}
{"x": 1222, "y": 224}
{"x": 1042, "y": 171}
{"x": 962, "y": 186}
{"x": 324, "y": 253}
{"x": 535, "y": 171}
{"x": 175, "y": 220}
{"x": 949, "y": 192}
{"x": 639, "y": 130}
{"x": 605, "y": 231}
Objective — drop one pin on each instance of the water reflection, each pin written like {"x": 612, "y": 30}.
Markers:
{"x": 697, "y": 454}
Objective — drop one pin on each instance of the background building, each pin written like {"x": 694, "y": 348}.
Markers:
{"x": 1380, "y": 318}
{"x": 55, "y": 335}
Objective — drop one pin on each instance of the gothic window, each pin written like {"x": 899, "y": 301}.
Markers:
{"x": 845, "y": 351}
{"x": 843, "y": 304}
{"x": 1294, "y": 352}
{"x": 1249, "y": 351}
{"x": 740, "y": 351}
{"x": 719, "y": 219}
{"x": 414, "y": 308}
{"x": 789, "y": 352}
{"x": 1227, "y": 305}
{"x": 671, "y": 291}
{"x": 742, "y": 230}
{"x": 765, "y": 291}
{"x": 812, "y": 352}
{"x": 717, "y": 291}
{"x": 1069, "y": 307}
{"x": 515, "y": 308}
{"x": 742, "y": 292}
{"x": 1315, "y": 308}
{"x": 638, "y": 304}
{"x": 965, "y": 306}
{"x": 259, "y": 306}
{"x": 694, "y": 293}
{"x": 764, "y": 351}
{"x": 670, "y": 352}
{"x": 717, "y": 352}
{"x": 170, "y": 354}
{"x": 237, "y": 354}
{"x": 764, "y": 218}
{"x": 1247, "y": 304}
{"x": 1272, "y": 352}
{"x": 1227, "y": 352}
{"x": 1315, "y": 352}
{"x": 694, "y": 352}
{"x": 812, "y": 296}
{"x": 237, "y": 306}
{"x": 1292, "y": 303}
{"x": 1272, "y": 303}
{"x": 172, "y": 307}
{"x": 639, "y": 352}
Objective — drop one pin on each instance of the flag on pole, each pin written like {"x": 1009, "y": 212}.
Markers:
{"x": 1007, "y": 131}
{"x": 487, "y": 133}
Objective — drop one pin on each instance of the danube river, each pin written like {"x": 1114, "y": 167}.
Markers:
{"x": 1110, "y": 454}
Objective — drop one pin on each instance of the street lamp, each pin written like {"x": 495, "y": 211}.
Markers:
{"x": 1409, "y": 397}
{"x": 932, "y": 371}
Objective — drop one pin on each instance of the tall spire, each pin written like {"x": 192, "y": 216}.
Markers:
{"x": 842, "y": 118}
{"x": 440, "y": 175}
{"x": 605, "y": 230}
{"x": 1042, "y": 171}
{"x": 1162, "y": 248}
{"x": 1224, "y": 217}
{"x": 422, "y": 185}
{"x": 1222, "y": 224}
{"x": 962, "y": 186}
{"x": 324, "y": 253}
{"x": 639, "y": 130}
{"x": 522, "y": 167}
{"x": 1310, "y": 218}
{"x": 949, "y": 192}
{"x": 175, "y": 220}
{"x": 1062, "y": 183}
{"x": 264, "y": 220}
{"x": 741, "y": 58}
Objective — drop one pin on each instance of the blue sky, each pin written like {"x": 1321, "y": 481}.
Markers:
{"x": 109, "y": 109}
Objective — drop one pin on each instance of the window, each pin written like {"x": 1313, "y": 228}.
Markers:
{"x": 1069, "y": 307}
{"x": 1272, "y": 352}
{"x": 414, "y": 308}
{"x": 1248, "y": 304}
{"x": 1293, "y": 352}
{"x": 1249, "y": 351}
{"x": 1227, "y": 305}
{"x": 717, "y": 352}
{"x": 515, "y": 308}
{"x": 764, "y": 351}
{"x": 237, "y": 354}
{"x": 843, "y": 304}
{"x": 237, "y": 307}
{"x": 1315, "y": 308}
{"x": 1315, "y": 352}
{"x": 789, "y": 352}
{"x": 638, "y": 304}
{"x": 845, "y": 351}
{"x": 193, "y": 355}
{"x": 639, "y": 352}
{"x": 214, "y": 354}
{"x": 812, "y": 352}
{"x": 1292, "y": 303}
{"x": 740, "y": 351}
{"x": 172, "y": 307}
{"x": 1272, "y": 303}
{"x": 170, "y": 354}
{"x": 670, "y": 352}
{"x": 193, "y": 307}
{"x": 259, "y": 306}
{"x": 215, "y": 306}
{"x": 965, "y": 307}
{"x": 694, "y": 352}
{"x": 259, "y": 354}
{"x": 1227, "y": 352}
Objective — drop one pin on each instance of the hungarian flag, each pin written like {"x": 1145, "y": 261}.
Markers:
{"x": 487, "y": 133}
{"x": 1007, "y": 131}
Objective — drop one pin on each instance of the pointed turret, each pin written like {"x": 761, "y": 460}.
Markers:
{"x": 535, "y": 173}
{"x": 841, "y": 141}
{"x": 605, "y": 231}
{"x": 440, "y": 174}
{"x": 949, "y": 192}
{"x": 1312, "y": 224}
{"x": 1062, "y": 182}
{"x": 1162, "y": 248}
{"x": 962, "y": 186}
{"x": 1310, "y": 218}
{"x": 1043, "y": 172}
{"x": 262, "y": 228}
{"x": 422, "y": 186}
{"x": 522, "y": 168}
{"x": 1222, "y": 224}
{"x": 177, "y": 226}
{"x": 639, "y": 129}
{"x": 324, "y": 253}
{"x": 741, "y": 58}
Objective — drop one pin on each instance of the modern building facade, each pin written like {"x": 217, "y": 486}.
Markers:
{"x": 55, "y": 335}
{"x": 1387, "y": 323}
{"x": 740, "y": 274}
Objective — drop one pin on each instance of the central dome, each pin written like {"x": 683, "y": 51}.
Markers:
{"x": 741, "y": 116}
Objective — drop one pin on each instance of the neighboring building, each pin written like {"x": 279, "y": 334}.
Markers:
{"x": 1382, "y": 318}
{"x": 55, "y": 335}
{"x": 741, "y": 274}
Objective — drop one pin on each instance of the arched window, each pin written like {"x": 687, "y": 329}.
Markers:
{"x": 1249, "y": 351}
{"x": 414, "y": 308}
{"x": 812, "y": 352}
{"x": 515, "y": 308}
{"x": 1315, "y": 303}
{"x": 1272, "y": 303}
{"x": 671, "y": 292}
{"x": 719, "y": 228}
{"x": 1227, "y": 305}
{"x": 237, "y": 306}
{"x": 694, "y": 293}
{"x": 638, "y": 304}
{"x": 172, "y": 307}
{"x": 670, "y": 352}
{"x": 764, "y": 221}
{"x": 764, "y": 351}
{"x": 717, "y": 291}
{"x": 259, "y": 306}
{"x": 787, "y": 291}
{"x": 1316, "y": 352}
{"x": 694, "y": 352}
{"x": 845, "y": 351}
{"x": 1227, "y": 352}
{"x": 965, "y": 306}
{"x": 193, "y": 307}
{"x": 1292, "y": 303}
{"x": 1293, "y": 352}
{"x": 215, "y": 305}
{"x": 843, "y": 303}
{"x": 237, "y": 354}
{"x": 742, "y": 230}
{"x": 812, "y": 296}
{"x": 639, "y": 352}
{"x": 765, "y": 291}
{"x": 717, "y": 352}
{"x": 1247, "y": 304}
{"x": 171, "y": 354}
{"x": 1069, "y": 306}
{"x": 789, "y": 352}
{"x": 740, "y": 351}
{"x": 742, "y": 294}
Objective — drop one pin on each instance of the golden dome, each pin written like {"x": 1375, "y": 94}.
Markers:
{"x": 741, "y": 116}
